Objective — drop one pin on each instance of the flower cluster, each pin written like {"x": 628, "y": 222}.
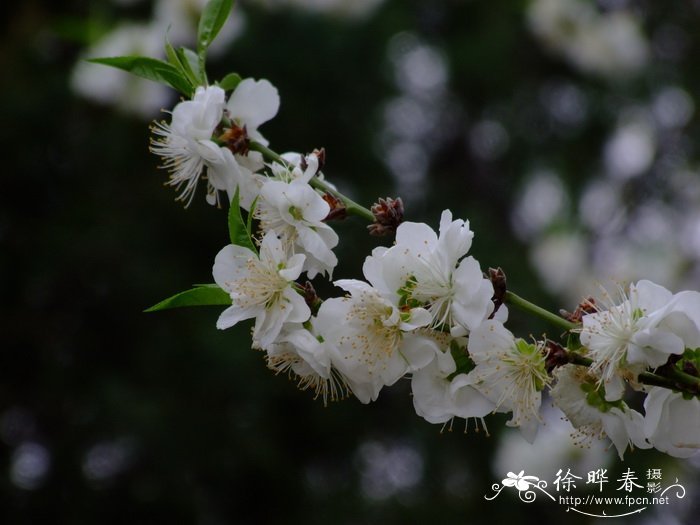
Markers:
{"x": 425, "y": 308}
{"x": 188, "y": 144}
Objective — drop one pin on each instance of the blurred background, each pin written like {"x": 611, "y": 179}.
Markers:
{"x": 566, "y": 131}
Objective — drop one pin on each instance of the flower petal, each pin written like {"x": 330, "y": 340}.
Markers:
{"x": 253, "y": 102}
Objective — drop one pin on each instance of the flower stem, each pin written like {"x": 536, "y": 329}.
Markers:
{"x": 351, "y": 206}
{"x": 651, "y": 379}
{"x": 682, "y": 377}
{"x": 268, "y": 153}
{"x": 683, "y": 382}
{"x": 577, "y": 359}
{"x": 647, "y": 378}
{"x": 532, "y": 308}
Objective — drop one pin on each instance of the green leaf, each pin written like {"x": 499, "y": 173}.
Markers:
{"x": 237, "y": 230}
{"x": 187, "y": 63}
{"x": 195, "y": 65}
{"x": 202, "y": 295}
{"x": 251, "y": 214}
{"x": 213, "y": 18}
{"x": 191, "y": 66}
{"x": 230, "y": 81}
{"x": 171, "y": 54}
{"x": 149, "y": 68}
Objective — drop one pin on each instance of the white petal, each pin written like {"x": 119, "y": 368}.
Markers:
{"x": 294, "y": 267}
{"x": 311, "y": 351}
{"x": 312, "y": 243}
{"x": 469, "y": 402}
{"x": 298, "y": 310}
{"x": 472, "y": 303}
{"x": 653, "y": 408}
{"x": 652, "y": 347}
{"x": 685, "y": 432}
{"x": 372, "y": 270}
{"x": 271, "y": 249}
{"x": 394, "y": 369}
{"x": 650, "y": 296}
{"x": 365, "y": 392}
{"x": 528, "y": 429}
{"x": 354, "y": 286}
{"x": 488, "y": 338}
{"x": 254, "y": 102}
{"x": 230, "y": 265}
{"x": 417, "y": 237}
{"x": 419, "y": 317}
{"x": 234, "y": 314}
{"x": 224, "y": 175}
{"x": 455, "y": 238}
{"x": 254, "y": 160}
{"x": 313, "y": 207}
{"x": 623, "y": 427}
{"x": 684, "y": 321}
{"x": 614, "y": 388}
{"x": 389, "y": 269}
{"x": 268, "y": 325}
{"x": 672, "y": 424}
{"x": 418, "y": 351}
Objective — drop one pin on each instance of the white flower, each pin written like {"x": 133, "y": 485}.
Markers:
{"x": 427, "y": 270}
{"x": 261, "y": 288}
{"x": 251, "y": 104}
{"x": 648, "y": 325}
{"x": 297, "y": 167}
{"x": 672, "y": 423}
{"x": 579, "y": 397}
{"x": 298, "y": 352}
{"x": 186, "y": 147}
{"x": 237, "y": 178}
{"x": 112, "y": 86}
{"x": 295, "y": 211}
{"x": 372, "y": 339}
{"x": 510, "y": 372}
{"x": 438, "y": 397}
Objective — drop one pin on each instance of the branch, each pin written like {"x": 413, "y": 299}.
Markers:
{"x": 351, "y": 206}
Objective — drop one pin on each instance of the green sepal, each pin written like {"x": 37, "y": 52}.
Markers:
{"x": 406, "y": 299}
{"x": 149, "y": 68}
{"x": 463, "y": 360}
{"x": 573, "y": 341}
{"x": 595, "y": 397}
{"x": 689, "y": 359}
{"x": 238, "y": 228}
{"x": 212, "y": 20}
{"x": 201, "y": 295}
{"x": 230, "y": 82}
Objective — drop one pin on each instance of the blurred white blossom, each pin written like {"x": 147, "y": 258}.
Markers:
{"x": 177, "y": 18}
{"x": 610, "y": 44}
{"x": 111, "y": 86}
